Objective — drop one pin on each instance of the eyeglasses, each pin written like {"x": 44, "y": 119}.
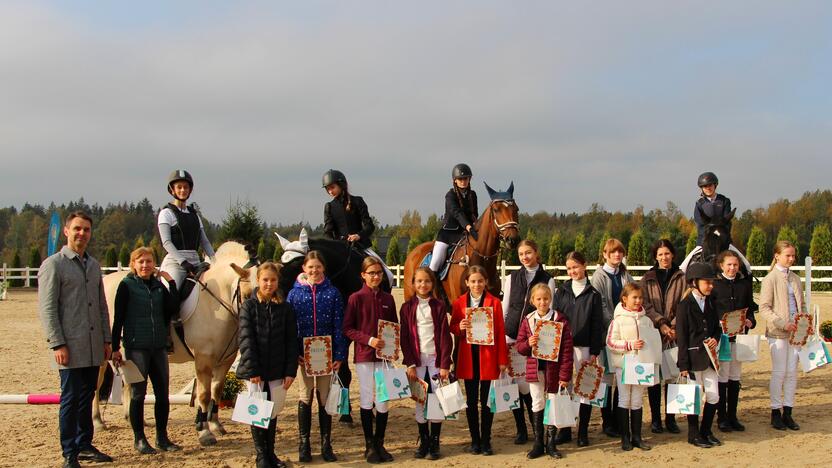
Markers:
{"x": 373, "y": 273}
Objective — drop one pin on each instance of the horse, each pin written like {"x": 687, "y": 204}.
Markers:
{"x": 498, "y": 224}
{"x": 210, "y": 333}
{"x": 715, "y": 241}
{"x": 343, "y": 263}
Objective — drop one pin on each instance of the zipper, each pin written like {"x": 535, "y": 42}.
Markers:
{"x": 314, "y": 311}
{"x": 152, "y": 322}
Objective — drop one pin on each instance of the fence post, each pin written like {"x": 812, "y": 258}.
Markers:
{"x": 5, "y": 278}
{"x": 502, "y": 270}
{"x": 27, "y": 282}
{"x": 398, "y": 276}
{"x": 808, "y": 287}
{"x": 118, "y": 266}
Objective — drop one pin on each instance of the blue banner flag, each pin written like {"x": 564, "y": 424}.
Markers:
{"x": 54, "y": 234}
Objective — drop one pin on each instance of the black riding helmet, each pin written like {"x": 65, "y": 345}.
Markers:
{"x": 707, "y": 178}
{"x": 179, "y": 175}
{"x": 461, "y": 171}
{"x": 698, "y": 271}
{"x": 334, "y": 176}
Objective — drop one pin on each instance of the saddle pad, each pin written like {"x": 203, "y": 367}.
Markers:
{"x": 188, "y": 306}
{"x": 444, "y": 272}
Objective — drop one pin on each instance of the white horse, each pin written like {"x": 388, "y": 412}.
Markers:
{"x": 210, "y": 332}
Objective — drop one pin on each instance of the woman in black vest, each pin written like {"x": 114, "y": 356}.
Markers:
{"x": 181, "y": 231}
{"x": 460, "y": 215}
{"x": 143, "y": 308}
{"x": 515, "y": 307}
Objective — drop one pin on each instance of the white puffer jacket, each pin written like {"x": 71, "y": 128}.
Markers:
{"x": 623, "y": 333}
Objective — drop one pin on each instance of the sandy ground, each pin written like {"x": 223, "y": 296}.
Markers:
{"x": 29, "y": 434}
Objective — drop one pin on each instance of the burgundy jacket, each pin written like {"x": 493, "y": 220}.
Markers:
{"x": 364, "y": 309}
{"x": 441, "y": 333}
{"x": 555, "y": 371}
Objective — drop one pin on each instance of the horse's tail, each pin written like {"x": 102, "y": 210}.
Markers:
{"x": 106, "y": 385}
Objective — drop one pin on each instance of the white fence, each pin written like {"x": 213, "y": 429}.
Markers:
{"x": 28, "y": 274}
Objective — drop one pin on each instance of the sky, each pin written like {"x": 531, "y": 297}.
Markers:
{"x": 617, "y": 103}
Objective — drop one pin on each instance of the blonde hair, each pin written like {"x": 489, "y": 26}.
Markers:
{"x": 137, "y": 254}
{"x": 628, "y": 289}
{"x": 274, "y": 268}
{"x": 540, "y": 288}
{"x": 779, "y": 247}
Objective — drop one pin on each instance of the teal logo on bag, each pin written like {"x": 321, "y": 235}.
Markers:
{"x": 506, "y": 396}
{"x": 680, "y": 399}
{"x": 639, "y": 370}
{"x": 397, "y": 383}
{"x": 252, "y": 409}
{"x": 811, "y": 356}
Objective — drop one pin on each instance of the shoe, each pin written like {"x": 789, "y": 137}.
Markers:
{"x": 71, "y": 462}
{"x": 656, "y": 427}
{"x": 584, "y": 413}
{"x": 261, "y": 446}
{"x": 608, "y": 423}
{"x": 777, "y": 420}
{"x": 325, "y": 424}
{"x": 486, "y": 419}
{"x": 271, "y": 432}
{"x": 381, "y": 428}
{"x": 424, "y": 441}
{"x": 304, "y": 426}
{"x": 551, "y": 447}
{"x": 787, "y": 419}
{"x": 635, "y": 430}
{"x": 346, "y": 419}
{"x": 654, "y": 397}
{"x": 563, "y": 436}
{"x": 520, "y": 423}
{"x": 538, "y": 448}
{"x": 143, "y": 447}
{"x": 712, "y": 440}
{"x": 693, "y": 433}
{"x": 623, "y": 416}
{"x": 734, "y": 387}
{"x": 371, "y": 451}
{"x": 164, "y": 444}
{"x": 705, "y": 431}
{"x": 435, "y": 432}
{"x": 670, "y": 424}
{"x": 92, "y": 454}
{"x": 474, "y": 448}
{"x": 472, "y": 416}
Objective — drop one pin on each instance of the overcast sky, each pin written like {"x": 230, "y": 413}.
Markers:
{"x": 620, "y": 103}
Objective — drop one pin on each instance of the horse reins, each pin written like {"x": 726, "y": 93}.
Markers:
{"x": 501, "y": 228}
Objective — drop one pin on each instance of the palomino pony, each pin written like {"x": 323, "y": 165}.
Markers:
{"x": 714, "y": 242}
{"x": 497, "y": 224}
{"x": 210, "y": 332}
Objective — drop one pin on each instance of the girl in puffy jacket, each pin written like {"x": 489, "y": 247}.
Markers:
{"x": 623, "y": 338}
{"x": 268, "y": 352}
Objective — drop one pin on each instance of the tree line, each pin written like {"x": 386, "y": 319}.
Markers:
{"x": 120, "y": 227}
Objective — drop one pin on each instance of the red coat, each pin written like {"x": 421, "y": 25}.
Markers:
{"x": 491, "y": 357}
{"x": 364, "y": 309}
{"x": 441, "y": 334}
{"x": 560, "y": 371}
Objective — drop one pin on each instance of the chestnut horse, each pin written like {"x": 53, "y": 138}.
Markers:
{"x": 497, "y": 224}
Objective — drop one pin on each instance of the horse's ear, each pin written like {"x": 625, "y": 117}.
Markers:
{"x": 240, "y": 270}
{"x": 511, "y": 190}
{"x": 304, "y": 239}
{"x": 283, "y": 241}
{"x": 491, "y": 191}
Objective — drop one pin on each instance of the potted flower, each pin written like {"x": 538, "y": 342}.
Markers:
{"x": 826, "y": 330}
{"x": 230, "y": 389}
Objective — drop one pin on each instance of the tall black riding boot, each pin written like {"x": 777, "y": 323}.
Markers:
{"x": 304, "y": 427}
{"x": 734, "y": 387}
{"x": 435, "y": 433}
{"x": 608, "y": 419}
{"x": 370, "y": 449}
{"x": 654, "y": 396}
{"x": 527, "y": 402}
{"x": 787, "y": 419}
{"x": 693, "y": 433}
{"x": 140, "y": 442}
{"x": 551, "y": 447}
{"x": 487, "y": 418}
{"x": 325, "y": 421}
{"x": 538, "y": 448}
{"x": 275, "y": 461}
{"x": 623, "y": 417}
{"x": 722, "y": 420}
{"x": 381, "y": 428}
{"x": 635, "y": 429}
{"x": 522, "y": 435}
{"x": 261, "y": 446}
{"x": 472, "y": 415}
{"x": 424, "y": 441}
{"x": 584, "y": 414}
{"x": 708, "y": 421}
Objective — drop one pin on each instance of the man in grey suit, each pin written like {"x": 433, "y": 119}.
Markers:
{"x": 73, "y": 311}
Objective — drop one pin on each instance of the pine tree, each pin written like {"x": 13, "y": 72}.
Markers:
{"x": 16, "y": 263}
{"x": 139, "y": 242}
{"x": 555, "y": 256}
{"x": 638, "y": 252}
{"x": 412, "y": 244}
{"x": 580, "y": 243}
{"x": 789, "y": 234}
{"x": 374, "y": 245}
{"x": 124, "y": 255}
{"x": 821, "y": 252}
{"x": 242, "y": 224}
{"x": 691, "y": 243}
{"x": 110, "y": 256}
{"x": 34, "y": 262}
{"x": 756, "y": 252}
{"x": 393, "y": 253}
{"x": 278, "y": 252}
{"x": 604, "y": 237}
{"x": 261, "y": 249}
{"x": 156, "y": 245}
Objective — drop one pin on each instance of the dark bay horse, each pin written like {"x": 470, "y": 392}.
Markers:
{"x": 715, "y": 241}
{"x": 497, "y": 224}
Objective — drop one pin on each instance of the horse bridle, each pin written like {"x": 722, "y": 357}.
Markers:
{"x": 501, "y": 227}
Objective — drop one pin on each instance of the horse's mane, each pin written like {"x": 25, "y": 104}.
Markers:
{"x": 231, "y": 251}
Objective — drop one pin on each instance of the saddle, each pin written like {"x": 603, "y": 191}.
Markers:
{"x": 443, "y": 272}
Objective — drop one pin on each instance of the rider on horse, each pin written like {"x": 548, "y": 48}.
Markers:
{"x": 460, "y": 215}
{"x": 710, "y": 205}
{"x": 347, "y": 218}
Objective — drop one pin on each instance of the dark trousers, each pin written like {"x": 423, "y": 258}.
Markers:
{"x": 153, "y": 364}
{"x": 75, "y": 413}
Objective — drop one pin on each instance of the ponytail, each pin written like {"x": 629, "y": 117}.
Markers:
{"x": 779, "y": 247}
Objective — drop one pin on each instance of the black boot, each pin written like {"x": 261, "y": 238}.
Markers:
{"x": 787, "y": 419}
{"x": 435, "y": 432}
{"x": 777, "y": 420}
{"x": 635, "y": 429}
{"x": 693, "y": 433}
{"x": 654, "y": 396}
{"x": 538, "y": 448}
{"x": 608, "y": 418}
{"x": 670, "y": 424}
{"x": 551, "y": 447}
{"x": 140, "y": 442}
{"x": 584, "y": 413}
{"x": 325, "y": 421}
{"x": 424, "y": 441}
{"x": 370, "y": 449}
{"x": 274, "y": 461}
{"x": 304, "y": 427}
{"x": 522, "y": 435}
{"x": 623, "y": 416}
{"x": 381, "y": 428}
{"x": 733, "y": 400}
{"x": 487, "y": 418}
{"x": 707, "y": 421}
{"x": 261, "y": 446}
{"x": 474, "y": 430}
{"x": 527, "y": 402}
{"x": 722, "y": 420}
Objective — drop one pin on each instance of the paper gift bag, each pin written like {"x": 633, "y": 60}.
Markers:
{"x": 251, "y": 410}
{"x": 684, "y": 398}
{"x": 634, "y": 372}
{"x": 669, "y": 368}
{"x": 566, "y": 414}
{"x": 549, "y": 410}
{"x": 504, "y": 395}
{"x": 344, "y": 402}
{"x": 391, "y": 383}
{"x": 725, "y": 349}
{"x": 813, "y": 355}
{"x": 451, "y": 398}
{"x": 748, "y": 347}
{"x": 651, "y": 353}
{"x": 115, "y": 391}
{"x": 604, "y": 361}
{"x": 334, "y": 397}
{"x": 600, "y": 400}
{"x": 433, "y": 410}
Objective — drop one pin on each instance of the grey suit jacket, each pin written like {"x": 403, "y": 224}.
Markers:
{"x": 73, "y": 308}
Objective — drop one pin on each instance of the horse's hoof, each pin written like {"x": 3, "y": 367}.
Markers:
{"x": 206, "y": 439}
{"x": 217, "y": 428}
